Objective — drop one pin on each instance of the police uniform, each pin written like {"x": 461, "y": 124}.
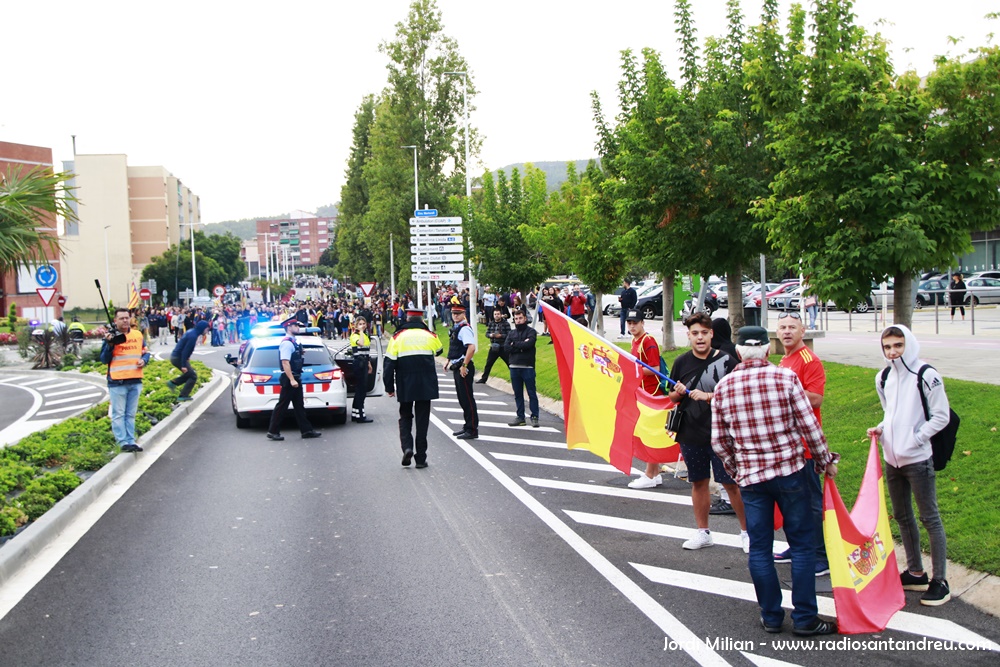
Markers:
{"x": 289, "y": 350}
{"x": 361, "y": 348}
{"x": 460, "y": 337}
{"x": 411, "y": 375}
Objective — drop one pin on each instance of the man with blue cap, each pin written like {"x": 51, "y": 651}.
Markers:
{"x": 290, "y": 355}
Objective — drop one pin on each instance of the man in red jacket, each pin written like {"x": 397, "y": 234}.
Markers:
{"x": 577, "y": 303}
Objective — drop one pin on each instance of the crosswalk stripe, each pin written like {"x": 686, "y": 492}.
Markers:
{"x": 540, "y": 429}
{"x": 57, "y": 385}
{"x": 764, "y": 661}
{"x": 902, "y": 621}
{"x": 564, "y": 463}
{"x": 68, "y": 408}
{"x": 658, "y": 529}
{"x": 520, "y": 441}
{"x": 445, "y": 390}
{"x": 73, "y": 398}
{"x": 478, "y": 402}
{"x": 600, "y": 490}
{"x": 12, "y": 378}
{"x": 88, "y": 387}
{"x": 500, "y": 413}
{"x": 37, "y": 381}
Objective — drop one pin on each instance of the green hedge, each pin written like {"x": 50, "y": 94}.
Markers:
{"x": 42, "y": 468}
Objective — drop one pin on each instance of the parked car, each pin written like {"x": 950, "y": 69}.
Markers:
{"x": 650, "y": 302}
{"x": 932, "y": 291}
{"x": 878, "y": 293}
{"x": 982, "y": 290}
{"x": 609, "y": 301}
{"x": 986, "y": 274}
{"x": 722, "y": 294}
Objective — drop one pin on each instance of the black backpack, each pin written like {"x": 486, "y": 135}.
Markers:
{"x": 942, "y": 442}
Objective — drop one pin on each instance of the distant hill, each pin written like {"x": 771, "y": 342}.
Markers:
{"x": 555, "y": 172}
{"x": 246, "y": 228}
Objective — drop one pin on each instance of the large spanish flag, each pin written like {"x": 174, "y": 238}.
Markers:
{"x": 866, "y": 586}
{"x": 606, "y": 410}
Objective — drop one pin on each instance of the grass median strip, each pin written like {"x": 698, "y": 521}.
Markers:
{"x": 43, "y": 467}
{"x": 968, "y": 496}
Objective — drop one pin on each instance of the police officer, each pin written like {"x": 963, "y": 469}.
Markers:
{"x": 290, "y": 356}
{"x": 460, "y": 350}
{"x": 361, "y": 349}
{"x": 409, "y": 359}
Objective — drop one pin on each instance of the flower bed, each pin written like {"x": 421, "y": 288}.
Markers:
{"x": 43, "y": 467}
{"x": 8, "y": 338}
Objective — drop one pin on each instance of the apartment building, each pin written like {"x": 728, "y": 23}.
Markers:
{"x": 294, "y": 243}
{"x": 128, "y": 215}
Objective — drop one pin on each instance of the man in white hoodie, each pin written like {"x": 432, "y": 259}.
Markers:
{"x": 906, "y": 446}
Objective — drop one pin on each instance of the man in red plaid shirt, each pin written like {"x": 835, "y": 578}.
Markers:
{"x": 760, "y": 417}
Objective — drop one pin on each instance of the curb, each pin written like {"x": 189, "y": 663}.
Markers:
{"x": 22, "y": 549}
{"x": 978, "y": 589}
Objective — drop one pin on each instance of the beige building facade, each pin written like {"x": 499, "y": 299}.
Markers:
{"x": 128, "y": 215}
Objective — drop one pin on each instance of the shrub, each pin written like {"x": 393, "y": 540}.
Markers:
{"x": 14, "y": 475}
{"x": 11, "y": 518}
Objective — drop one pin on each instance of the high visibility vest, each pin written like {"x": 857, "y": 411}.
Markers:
{"x": 126, "y": 356}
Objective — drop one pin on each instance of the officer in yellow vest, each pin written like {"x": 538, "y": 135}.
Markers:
{"x": 409, "y": 367}
{"x": 361, "y": 351}
{"x": 125, "y": 360}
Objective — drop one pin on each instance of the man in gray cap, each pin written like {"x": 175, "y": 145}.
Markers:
{"x": 760, "y": 417}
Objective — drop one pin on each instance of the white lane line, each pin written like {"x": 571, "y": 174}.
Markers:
{"x": 478, "y": 402}
{"x": 643, "y": 601}
{"x": 600, "y": 490}
{"x": 11, "y": 378}
{"x": 763, "y": 661}
{"x": 73, "y": 398}
{"x": 57, "y": 386}
{"x": 68, "y": 408}
{"x": 88, "y": 387}
{"x": 21, "y": 427}
{"x": 32, "y": 382}
{"x": 658, "y": 529}
{"x": 902, "y": 621}
{"x": 540, "y": 429}
{"x": 499, "y": 413}
{"x": 561, "y": 463}
{"x": 520, "y": 441}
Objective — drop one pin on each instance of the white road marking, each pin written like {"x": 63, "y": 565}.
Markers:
{"x": 87, "y": 387}
{"x": 68, "y": 408}
{"x": 73, "y": 398}
{"x": 520, "y": 441}
{"x": 663, "y": 619}
{"x": 903, "y": 621}
{"x": 499, "y": 413}
{"x": 762, "y": 661}
{"x": 562, "y": 463}
{"x": 12, "y": 378}
{"x": 22, "y": 427}
{"x": 33, "y": 382}
{"x": 540, "y": 429}
{"x": 658, "y": 529}
{"x": 57, "y": 386}
{"x": 478, "y": 402}
{"x": 445, "y": 390}
{"x": 600, "y": 490}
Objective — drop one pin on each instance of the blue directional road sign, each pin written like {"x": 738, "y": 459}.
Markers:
{"x": 426, "y": 213}
{"x": 46, "y": 275}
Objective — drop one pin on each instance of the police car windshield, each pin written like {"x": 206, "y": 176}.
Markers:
{"x": 267, "y": 357}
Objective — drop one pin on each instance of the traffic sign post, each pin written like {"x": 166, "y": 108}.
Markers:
{"x": 61, "y": 301}
{"x": 443, "y": 257}
{"x": 46, "y": 294}
{"x": 145, "y": 294}
{"x": 219, "y": 291}
{"x": 46, "y": 276}
{"x": 426, "y": 213}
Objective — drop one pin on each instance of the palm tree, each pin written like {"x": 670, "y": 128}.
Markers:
{"x": 27, "y": 201}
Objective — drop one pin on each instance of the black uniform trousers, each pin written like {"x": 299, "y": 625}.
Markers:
{"x": 463, "y": 387}
{"x": 360, "y": 385}
{"x": 423, "y": 416}
{"x": 491, "y": 358}
{"x": 293, "y": 395}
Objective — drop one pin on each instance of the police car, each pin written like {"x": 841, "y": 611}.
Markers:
{"x": 327, "y": 375}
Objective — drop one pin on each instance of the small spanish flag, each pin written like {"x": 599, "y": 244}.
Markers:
{"x": 606, "y": 410}
{"x": 133, "y": 297}
{"x": 866, "y": 586}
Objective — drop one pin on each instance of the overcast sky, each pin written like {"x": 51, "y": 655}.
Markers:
{"x": 251, "y": 103}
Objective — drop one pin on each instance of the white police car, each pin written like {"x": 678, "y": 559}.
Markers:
{"x": 256, "y": 385}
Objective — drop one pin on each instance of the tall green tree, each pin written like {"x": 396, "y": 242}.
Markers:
{"x": 225, "y": 250}
{"x": 172, "y": 270}
{"x": 27, "y": 199}
{"x": 357, "y": 258}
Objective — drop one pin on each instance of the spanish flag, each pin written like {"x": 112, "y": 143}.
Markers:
{"x": 133, "y": 297}
{"x": 866, "y": 586}
{"x": 606, "y": 410}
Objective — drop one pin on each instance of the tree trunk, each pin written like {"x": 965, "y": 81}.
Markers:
{"x": 598, "y": 315}
{"x": 902, "y": 308}
{"x": 734, "y": 285}
{"x": 667, "y": 339}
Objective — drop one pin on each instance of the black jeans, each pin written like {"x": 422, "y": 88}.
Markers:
{"x": 492, "y": 357}
{"x": 360, "y": 385}
{"x": 187, "y": 378}
{"x": 463, "y": 387}
{"x": 423, "y": 415}
{"x": 293, "y": 395}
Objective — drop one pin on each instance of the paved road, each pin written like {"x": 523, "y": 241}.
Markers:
{"x": 31, "y": 401}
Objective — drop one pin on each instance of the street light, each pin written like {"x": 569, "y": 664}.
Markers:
{"x": 468, "y": 200}
{"x": 194, "y": 271}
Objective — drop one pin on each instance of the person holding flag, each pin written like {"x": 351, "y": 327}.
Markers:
{"x": 645, "y": 349}
{"x": 760, "y": 416}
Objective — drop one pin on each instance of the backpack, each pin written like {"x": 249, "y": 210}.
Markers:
{"x": 664, "y": 372}
{"x": 942, "y": 442}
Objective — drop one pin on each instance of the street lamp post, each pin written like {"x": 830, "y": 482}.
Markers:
{"x": 416, "y": 207}
{"x": 194, "y": 270}
{"x": 473, "y": 297}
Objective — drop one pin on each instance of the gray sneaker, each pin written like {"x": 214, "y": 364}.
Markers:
{"x": 534, "y": 422}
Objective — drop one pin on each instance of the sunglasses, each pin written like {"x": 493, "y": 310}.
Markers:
{"x": 795, "y": 315}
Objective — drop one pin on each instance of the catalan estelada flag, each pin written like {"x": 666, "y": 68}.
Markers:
{"x": 863, "y": 571}
{"x": 606, "y": 410}
{"x": 133, "y": 297}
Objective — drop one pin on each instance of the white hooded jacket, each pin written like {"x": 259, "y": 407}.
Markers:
{"x": 906, "y": 434}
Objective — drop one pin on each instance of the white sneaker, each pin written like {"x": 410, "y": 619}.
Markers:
{"x": 701, "y": 539}
{"x": 643, "y": 482}
{"x": 745, "y": 539}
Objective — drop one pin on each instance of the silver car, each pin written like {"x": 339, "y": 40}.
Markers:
{"x": 982, "y": 290}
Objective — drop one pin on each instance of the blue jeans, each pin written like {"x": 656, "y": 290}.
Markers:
{"x": 816, "y": 490}
{"x": 523, "y": 378}
{"x": 793, "y": 494}
{"x": 621, "y": 318}
{"x": 124, "y": 403}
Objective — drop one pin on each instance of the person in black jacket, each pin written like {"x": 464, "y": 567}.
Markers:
{"x": 956, "y": 294}
{"x": 181, "y": 359}
{"x": 496, "y": 334}
{"x": 520, "y": 346}
{"x": 628, "y": 299}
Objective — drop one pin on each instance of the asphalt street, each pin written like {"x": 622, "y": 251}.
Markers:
{"x": 507, "y": 550}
